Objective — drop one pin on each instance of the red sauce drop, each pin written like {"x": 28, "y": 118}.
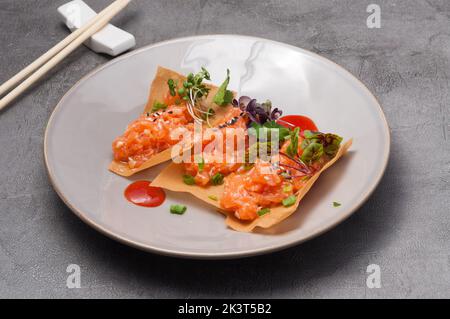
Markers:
{"x": 303, "y": 122}
{"x": 143, "y": 194}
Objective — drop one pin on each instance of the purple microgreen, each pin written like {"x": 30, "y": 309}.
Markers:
{"x": 257, "y": 112}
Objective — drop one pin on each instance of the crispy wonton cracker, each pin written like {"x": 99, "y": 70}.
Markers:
{"x": 171, "y": 178}
{"x": 158, "y": 90}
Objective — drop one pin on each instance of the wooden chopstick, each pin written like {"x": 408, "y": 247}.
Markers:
{"x": 52, "y": 52}
{"x": 56, "y": 54}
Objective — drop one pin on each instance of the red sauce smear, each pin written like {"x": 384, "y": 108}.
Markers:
{"x": 303, "y": 122}
{"x": 142, "y": 193}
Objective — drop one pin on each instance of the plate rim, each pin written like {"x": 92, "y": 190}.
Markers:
{"x": 227, "y": 255}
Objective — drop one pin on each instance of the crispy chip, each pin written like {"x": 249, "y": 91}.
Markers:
{"x": 158, "y": 91}
{"x": 171, "y": 178}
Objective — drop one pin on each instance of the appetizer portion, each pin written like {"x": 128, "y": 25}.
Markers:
{"x": 238, "y": 155}
{"x": 263, "y": 189}
{"x": 175, "y": 102}
{"x": 251, "y": 193}
{"x": 268, "y": 217}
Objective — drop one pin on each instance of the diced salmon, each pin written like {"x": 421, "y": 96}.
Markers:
{"x": 246, "y": 192}
{"x": 151, "y": 134}
{"x": 212, "y": 163}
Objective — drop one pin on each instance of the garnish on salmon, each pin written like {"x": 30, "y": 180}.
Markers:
{"x": 270, "y": 184}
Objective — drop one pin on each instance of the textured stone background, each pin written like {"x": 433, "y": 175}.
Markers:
{"x": 404, "y": 227}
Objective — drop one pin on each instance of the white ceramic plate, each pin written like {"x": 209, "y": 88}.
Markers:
{"x": 98, "y": 108}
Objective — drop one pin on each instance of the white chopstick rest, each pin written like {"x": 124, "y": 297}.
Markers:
{"x": 110, "y": 40}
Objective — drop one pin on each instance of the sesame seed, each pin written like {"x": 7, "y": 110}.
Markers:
{"x": 119, "y": 144}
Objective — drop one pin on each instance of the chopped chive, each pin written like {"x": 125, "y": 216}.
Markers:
{"x": 287, "y": 188}
{"x": 213, "y": 197}
{"x": 172, "y": 86}
{"x": 336, "y": 204}
{"x": 201, "y": 164}
{"x": 178, "y": 209}
{"x": 217, "y": 179}
{"x": 289, "y": 201}
{"x": 158, "y": 106}
{"x": 263, "y": 211}
{"x": 188, "y": 179}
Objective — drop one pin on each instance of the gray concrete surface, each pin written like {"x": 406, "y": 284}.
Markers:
{"x": 404, "y": 227}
